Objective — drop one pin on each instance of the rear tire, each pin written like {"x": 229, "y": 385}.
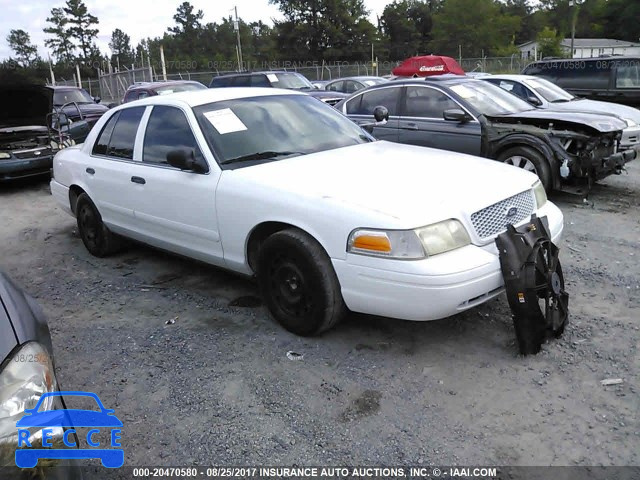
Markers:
{"x": 97, "y": 238}
{"x": 531, "y": 160}
{"x": 298, "y": 283}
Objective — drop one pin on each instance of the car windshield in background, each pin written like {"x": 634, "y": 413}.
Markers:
{"x": 60, "y": 97}
{"x": 185, "y": 87}
{"x": 291, "y": 81}
{"x": 549, "y": 91}
{"x": 259, "y": 129}
{"x": 489, "y": 99}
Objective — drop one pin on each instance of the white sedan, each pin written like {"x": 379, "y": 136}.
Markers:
{"x": 275, "y": 184}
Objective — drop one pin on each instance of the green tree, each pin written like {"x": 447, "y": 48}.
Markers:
{"x": 319, "y": 29}
{"x": 475, "y": 26}
{"x": 620, "y": 19}
{"x": 549, "y": 43}
{"x": 186, "y": 33}
{"x": 121, "y": 51}
{"x": 20, "y": 42}
{"x": 61, "y": 39}
{"x": 407, "y": 26}
{"x": 80, "y": 23}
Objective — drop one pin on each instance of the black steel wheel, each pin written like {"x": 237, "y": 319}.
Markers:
{"x": 97, "y": 238}
{"x": 298, "y": 283}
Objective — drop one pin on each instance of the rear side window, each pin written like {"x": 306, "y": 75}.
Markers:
{"x": 167, "y": 130}
{"x": 335, "y": 86}
{"x": 220, "y": 82}
{"x": 118, "y": 136}
{"x": 365, "y": 104}
{"x": 260, "y": 81}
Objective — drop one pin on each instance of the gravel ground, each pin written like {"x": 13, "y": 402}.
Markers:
{"x": 216, "y": 386}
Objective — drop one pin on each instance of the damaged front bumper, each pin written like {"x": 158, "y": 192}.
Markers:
{"x": 616, "y": 162}
{"x": 25, "y": 164}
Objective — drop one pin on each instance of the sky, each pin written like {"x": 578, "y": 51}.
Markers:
{"x": 138, "y": 18}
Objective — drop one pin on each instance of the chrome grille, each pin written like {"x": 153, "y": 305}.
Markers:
{"x": 494, "y": 219}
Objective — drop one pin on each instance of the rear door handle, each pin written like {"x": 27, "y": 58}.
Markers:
{"x": 139, "y": 180}
{"x": 90, "y": 171}
{"x": 410, "y": 126}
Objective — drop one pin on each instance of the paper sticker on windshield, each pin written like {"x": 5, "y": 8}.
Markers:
{"x": 272, "y": 77}
{"x": 463, "y": 91}
{"x": 225, "y": 121}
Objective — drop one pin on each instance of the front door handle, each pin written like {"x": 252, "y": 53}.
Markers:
{"x": 90, "y": 171}
{"x": 139, "y": 180}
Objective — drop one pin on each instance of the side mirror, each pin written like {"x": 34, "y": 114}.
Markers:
{"x": 455, "y": 115}
{"x": 535, "y": 101}
{"x": 381, "y": 113}
{"x": 97, "y": 99}
{"x": 184, "y": 159}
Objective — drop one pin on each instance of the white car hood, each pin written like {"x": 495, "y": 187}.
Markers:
{"x": 406, "y": 186}
{"x": 586, "y": 105}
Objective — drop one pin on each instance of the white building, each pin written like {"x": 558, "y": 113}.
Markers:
{"x": 584, "y": 48}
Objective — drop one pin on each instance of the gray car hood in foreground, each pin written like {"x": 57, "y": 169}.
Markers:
{"x": 596, "y": 106}
{"x": 602, "y": 122}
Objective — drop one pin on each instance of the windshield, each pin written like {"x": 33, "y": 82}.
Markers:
{"x": 182, "y": 87}
{"x": 247, "y": 131}
{"x": 60, "y": 97}
{"x": 292, "y": 81}
{"x": 549, "y": 91}
{"x": 489, "y": 99}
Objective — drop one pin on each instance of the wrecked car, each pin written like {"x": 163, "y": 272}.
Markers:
{"x": 567, "y": 150}
{"x": 32, "y": 131}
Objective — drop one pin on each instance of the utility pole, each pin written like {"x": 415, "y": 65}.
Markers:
{"x": 236, "y": 26}
{"x": 574, "y": 16}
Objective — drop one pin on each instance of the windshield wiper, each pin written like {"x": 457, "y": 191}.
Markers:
{"x": 259, "y": 156}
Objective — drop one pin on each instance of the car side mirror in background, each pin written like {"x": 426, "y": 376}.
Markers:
{"x": 535, "y": 101}
{"x": 456, "y": 115}
{"x": 97, "y": 99}
{"x": 184, "y": 159}
{"x": 381, "y": 113}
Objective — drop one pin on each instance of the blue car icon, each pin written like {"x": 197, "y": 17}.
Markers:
{"x": 70, "y": 418}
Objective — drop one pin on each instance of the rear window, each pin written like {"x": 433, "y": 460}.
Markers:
{"x": 628, "y": 76}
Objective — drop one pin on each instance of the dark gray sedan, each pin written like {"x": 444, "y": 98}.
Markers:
{"x": 567, "y": 150}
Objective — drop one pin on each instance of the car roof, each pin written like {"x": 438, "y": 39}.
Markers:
{"x": 445, "y": 79}
{"x": 195, "y": 98}
{"x": 263, "y": 72}
{"x": 168, "y": 83}
{"x": 357, "y": 77}
{"x": 511, "y": 76}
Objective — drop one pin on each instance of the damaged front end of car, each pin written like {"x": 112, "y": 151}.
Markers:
{"x": 579, "y": 152}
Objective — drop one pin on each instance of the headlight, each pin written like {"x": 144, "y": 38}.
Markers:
{"x": 26, "y": 376}
{"x": 409, "y": 244}
{"x": 444, "y": 236}
{"x": 4, "y": 155}
{"x": 630, "y": 123}
{"x": 539, "y": 192}
{"x": 399, "y": 244}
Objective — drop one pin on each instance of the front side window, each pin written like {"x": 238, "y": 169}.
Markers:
{"x": 365, "y": 104}
{"x": 427, "y": 102}
{"x": 118, "y": 136}
{"x": 167, "y": 130}
{"x": 335, "y": 86}
{"x": 246, "y": 131}
{"x": 628, "y": 76}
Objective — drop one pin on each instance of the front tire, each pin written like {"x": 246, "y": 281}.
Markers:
{"x": 97, "y": 238}
{"x": 531, "y": 160}
{"x": 298, "y": 283}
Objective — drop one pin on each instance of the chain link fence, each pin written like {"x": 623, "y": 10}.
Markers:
{"x": 111, "y": 87}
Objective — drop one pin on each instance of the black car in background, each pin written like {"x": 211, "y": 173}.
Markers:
{"x": 150, "y": 89}
{"x": 567, "y": 150}
{"x": 287, "y": 80}
{"x": 78, "y": 105}
{"x": 609, "y": 78}
{"x": 27, "y": 371}
{"x": 32, "y": 130}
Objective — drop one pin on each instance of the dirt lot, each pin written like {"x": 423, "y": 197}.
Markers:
{"x": 216, "y": 386}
